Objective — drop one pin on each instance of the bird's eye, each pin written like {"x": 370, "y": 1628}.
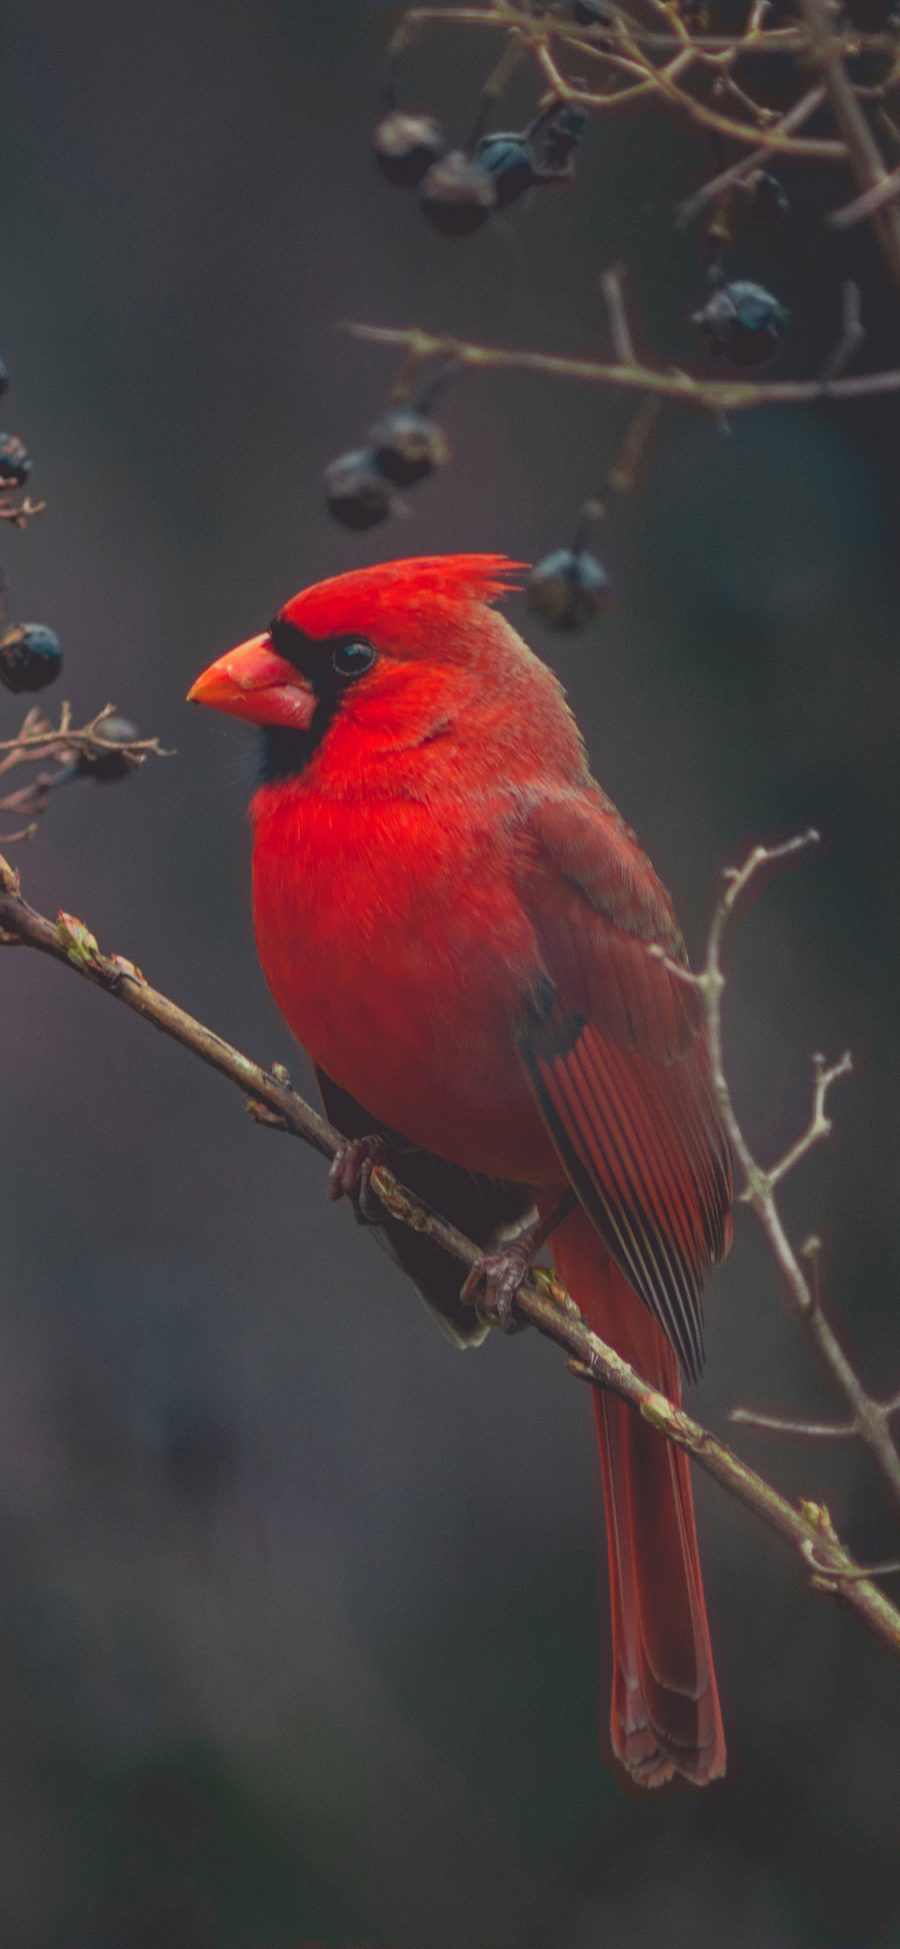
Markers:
{"x": 351, "y": 659}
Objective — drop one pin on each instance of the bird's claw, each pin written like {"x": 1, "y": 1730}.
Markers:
{"x": 351, "y": 1177}
{"x": 493, "y": 1282}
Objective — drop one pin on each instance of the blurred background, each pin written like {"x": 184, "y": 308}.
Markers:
{"x": 298, "y": 1607}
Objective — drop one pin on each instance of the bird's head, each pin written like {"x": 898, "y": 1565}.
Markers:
{"x": 381, "y": 660}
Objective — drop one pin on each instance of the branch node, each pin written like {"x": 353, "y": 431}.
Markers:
{"x": 546, "y": 1282}
{"x": 704, "y": 980}
{"x": 829, "y": 1576}
{"x": 261, "y": 1113}
{"x": 78, "y": 943}
{"x": 397, "y": 1202}
{"x": 126, "y": 970}
{"x": 758, "y": 1188}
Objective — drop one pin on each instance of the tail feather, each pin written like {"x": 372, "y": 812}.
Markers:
{"x": 665, "y": 1717}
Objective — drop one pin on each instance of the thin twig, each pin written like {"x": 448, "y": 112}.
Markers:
{"x": 866, "y": 205}
{"x": 541, "y": 1301}
{"x": 853, "y": 333}
{"x": 19, "y": 513}
{"x": 789, "y": 40}
{"x": 793, "y": 119}
{"x": 890, "y": 1569}
{"x": 799, "y": 1430}
{"x": 871, "y": 1418}
{"x": 38, "y": 740}
{"x": 664, "y": 83}
{"x": 864, "y": 157}
{"x": 819, "y": 1127}
{"x": 708, "y": 395}
{"x": 39, "y": 743}
{"x": 612, "y": 284}
{"x": 541, "y": 33}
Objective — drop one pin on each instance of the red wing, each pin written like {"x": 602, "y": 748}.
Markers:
{"x": 615, "y": 1053}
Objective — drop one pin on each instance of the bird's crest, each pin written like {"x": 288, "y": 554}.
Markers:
{"x": 411, "y": 587}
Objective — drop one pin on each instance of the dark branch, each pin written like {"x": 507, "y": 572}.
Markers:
{"x": 541, "y": 1301}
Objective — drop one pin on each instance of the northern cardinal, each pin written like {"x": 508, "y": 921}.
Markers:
{"x": 454, "y": 921}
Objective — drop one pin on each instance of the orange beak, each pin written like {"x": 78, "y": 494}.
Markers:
{"x": 254, "y": 683}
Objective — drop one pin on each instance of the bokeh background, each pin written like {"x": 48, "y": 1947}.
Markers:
{"x": 298, "y": 1606}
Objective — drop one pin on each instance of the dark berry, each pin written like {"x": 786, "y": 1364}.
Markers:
{"x": 406, "y": 146}
{"x": 559, "y": 135}
{"x": 407, "y": 447}
{"x": 357, "y": 494}
{"x": 742, "y": 323}
{"x": 768, "y": 200}
{"x": 15, "y": 462}
{"x": 109, "y": 766}
{"x": 30, "y": 657}
{"x": 458, "y": 194}
{"x": 592, "y": 13}
{"x": 510, "y": 160}
{"x": 568, "y": 589}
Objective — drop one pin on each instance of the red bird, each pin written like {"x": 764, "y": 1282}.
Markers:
{"x": 454, "y": 921}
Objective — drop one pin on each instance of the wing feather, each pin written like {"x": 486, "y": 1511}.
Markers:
{"x": 615, "y": 1052}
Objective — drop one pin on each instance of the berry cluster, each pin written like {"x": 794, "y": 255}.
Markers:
{"x": 30, "y": 654}
{"x": 107, "y": 767}
{"x": 31, "y": 657}
{"x": 741, "y": 322}
{"x": 402, "y": 449}
{"x": 459, "y": 189}
{"x": 568, "y": 589}
{"x": 15, "y": 461}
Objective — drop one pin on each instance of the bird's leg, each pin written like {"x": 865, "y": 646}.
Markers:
{"x": 494, "y": 1279}
{"x": 351, "y": 1177}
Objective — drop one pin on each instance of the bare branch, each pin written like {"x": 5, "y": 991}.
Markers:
{"x": 39, "y": 743}
{"x": 662, "y": 84}
{"x": 719, "y": 396}
{"x": 799, "y": 1430}
{"x": 870, "y": 1417}
{"x": 19, "y": 513}
{"x": 739, "y": 171}
{"x": 866, "y": 205}
{"x": 853, "y": 332}
{"x": 819, "y": 1126}
{"x": 612, "y": 285}
{"x": 864, "y": 156}
{"x": 625, "y": 50}
{"x": 541, "y": 1301}
{"x": 38, "y": 739}
{"x": 809, "y": 1551}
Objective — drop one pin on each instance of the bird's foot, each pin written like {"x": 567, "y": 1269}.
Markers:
{"x": 351, "y": 1177}
{"x": 495, "y": 1279}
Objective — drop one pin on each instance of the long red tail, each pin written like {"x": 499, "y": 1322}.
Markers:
{"x": 665, "y": 1716}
